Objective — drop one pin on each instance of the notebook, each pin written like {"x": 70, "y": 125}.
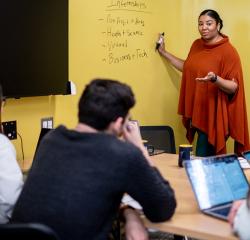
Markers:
{"x": 217, "y": 181}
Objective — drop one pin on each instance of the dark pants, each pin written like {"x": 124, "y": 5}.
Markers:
{"x": 203, "y": 147}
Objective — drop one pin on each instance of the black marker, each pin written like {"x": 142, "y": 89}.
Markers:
{"x": 158, "y": 43}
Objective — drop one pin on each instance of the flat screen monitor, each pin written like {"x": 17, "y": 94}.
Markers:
{"x": 34, "y": 47}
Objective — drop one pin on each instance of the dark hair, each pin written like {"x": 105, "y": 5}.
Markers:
{"x": 103, "y": 101}
{"x": 213, "y": 14}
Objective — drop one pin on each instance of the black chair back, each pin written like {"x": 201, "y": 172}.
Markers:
{"x": 160, "y": 137}
{"x": 27, "y": 231}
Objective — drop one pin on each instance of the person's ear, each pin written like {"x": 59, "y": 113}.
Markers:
{"x": 116, "y": 127}
{"x": 118, "y": 124}
{"x": 218, "y": 27}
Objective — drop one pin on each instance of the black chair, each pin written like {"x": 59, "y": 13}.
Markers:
{"x": 160, "y": 137}
{"x": 27, "y": 231}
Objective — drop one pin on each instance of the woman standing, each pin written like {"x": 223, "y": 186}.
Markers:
{"x": 212, "y": 100}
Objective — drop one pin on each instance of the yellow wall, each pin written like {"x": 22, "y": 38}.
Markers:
{"x": 154, "y": 82}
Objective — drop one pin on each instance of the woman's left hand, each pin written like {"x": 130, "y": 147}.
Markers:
{"x": 207, "y": 78}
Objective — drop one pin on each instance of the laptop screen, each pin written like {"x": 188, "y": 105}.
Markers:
{"x": 217, "y": 180}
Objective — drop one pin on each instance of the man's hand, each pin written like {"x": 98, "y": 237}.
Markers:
{"x": 131, "y": 133}
{"x": 134, "y": 227}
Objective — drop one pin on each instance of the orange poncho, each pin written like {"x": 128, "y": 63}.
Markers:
{"x": 207, "y": 108}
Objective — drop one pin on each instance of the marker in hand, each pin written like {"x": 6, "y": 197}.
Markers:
{"x": 159, "y": 42}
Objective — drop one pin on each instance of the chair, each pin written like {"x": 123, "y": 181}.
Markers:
{"x": 27, "y": 231}
{"x": 160, "y": 137}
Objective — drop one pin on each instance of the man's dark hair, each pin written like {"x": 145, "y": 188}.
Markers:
{"x": 213, "y": 14}
{"x": 103, "y": 101}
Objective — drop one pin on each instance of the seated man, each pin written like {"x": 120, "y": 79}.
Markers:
{"x": 239, "y": 218}
{"x": 79, "y": 176}
{"x": 11, "y": 180}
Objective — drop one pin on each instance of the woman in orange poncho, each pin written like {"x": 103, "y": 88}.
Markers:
{"x": 212, "y": 100}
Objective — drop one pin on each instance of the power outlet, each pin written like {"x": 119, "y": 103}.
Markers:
{"x": 47, "y": 122}
{"x": 9, "y": 129}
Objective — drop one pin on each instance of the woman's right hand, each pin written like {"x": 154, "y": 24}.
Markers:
{"x": 161, "y": 48}
{"x": 175, "y": 61}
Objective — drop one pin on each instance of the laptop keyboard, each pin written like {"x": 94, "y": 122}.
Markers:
{"x": 222, "y": 211}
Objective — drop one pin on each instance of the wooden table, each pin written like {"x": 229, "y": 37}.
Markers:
{"x": 188, "y": 220}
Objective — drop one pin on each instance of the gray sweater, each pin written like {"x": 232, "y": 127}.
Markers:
{"x": 77, "y": 181}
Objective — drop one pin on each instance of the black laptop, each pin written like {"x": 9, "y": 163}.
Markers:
{"x": 217, "y": 181}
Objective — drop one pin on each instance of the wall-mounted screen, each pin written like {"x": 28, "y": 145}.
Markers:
{"x": 34, "y": 47}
